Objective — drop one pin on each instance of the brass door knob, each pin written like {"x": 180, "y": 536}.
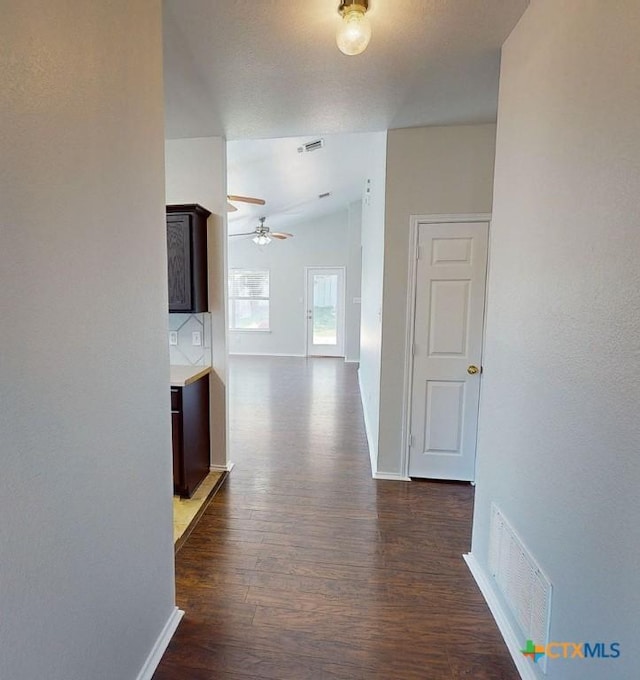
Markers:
{"x": 472, "y": 370}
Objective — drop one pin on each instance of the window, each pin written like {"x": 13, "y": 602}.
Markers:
{"x": 248, "y": 300}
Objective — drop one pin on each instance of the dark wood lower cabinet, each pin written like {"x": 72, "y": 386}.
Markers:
{"x": 190, "y": 432}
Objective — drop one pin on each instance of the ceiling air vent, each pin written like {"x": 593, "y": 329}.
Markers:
{"x": 311, "y": 146}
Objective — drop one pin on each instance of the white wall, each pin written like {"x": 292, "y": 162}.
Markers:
{"x": 372, "y": 272}
{"x": 430, "y": 170}
{"x": 559, "y": 427}
{"x": 196, "y": 173}
{"x": 353, "y": 283}
{"x": 86, "y": 564}
{"x": 323, "y": 242}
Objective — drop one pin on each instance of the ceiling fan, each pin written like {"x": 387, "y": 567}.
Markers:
{"x": 242, "y": 199}
{"x": 263, "y": 235}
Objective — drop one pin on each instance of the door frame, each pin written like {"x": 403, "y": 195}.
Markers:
{"x": 414, "y": 223}
{"x": 343, "y": 312}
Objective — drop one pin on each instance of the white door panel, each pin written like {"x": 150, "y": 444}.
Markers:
{"x": 443, "y": 414}
{"x": 449, "y": 311}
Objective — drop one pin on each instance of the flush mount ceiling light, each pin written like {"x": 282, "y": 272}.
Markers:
{"x": 354, "y": 31}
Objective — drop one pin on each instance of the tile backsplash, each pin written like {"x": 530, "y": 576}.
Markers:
{"x": 185, "y": 353}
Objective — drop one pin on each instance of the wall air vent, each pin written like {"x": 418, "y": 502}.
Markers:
{"x": 521, "y": 581}
{"x": 311, "y": 146}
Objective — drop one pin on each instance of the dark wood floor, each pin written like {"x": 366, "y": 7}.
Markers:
{"x": 305, "y": 568}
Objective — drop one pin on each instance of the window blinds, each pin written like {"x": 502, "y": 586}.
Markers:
{"x": 249, "y": 284}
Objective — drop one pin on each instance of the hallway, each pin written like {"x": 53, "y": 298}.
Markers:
{"x": 305, "y": 568}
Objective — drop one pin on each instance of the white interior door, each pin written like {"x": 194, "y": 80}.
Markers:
{"x": 449, "y": 312}
{"x": 325, "y": 311}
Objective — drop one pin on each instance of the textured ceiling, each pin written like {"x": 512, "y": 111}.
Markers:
{"x": 271, "y": 68}
{"x": 265, "y": 69}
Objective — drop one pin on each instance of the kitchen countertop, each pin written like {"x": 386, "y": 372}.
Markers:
{"x": 181, "y": 376}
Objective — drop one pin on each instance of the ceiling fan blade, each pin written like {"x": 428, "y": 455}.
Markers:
{"x": 231, "y": 208}
{"x": 246, "y": 199}
{"x": 280, "y": 234}
{"x": 248, "y": 233}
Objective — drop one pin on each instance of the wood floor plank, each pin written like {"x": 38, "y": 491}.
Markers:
{"x": 303, "y": 567}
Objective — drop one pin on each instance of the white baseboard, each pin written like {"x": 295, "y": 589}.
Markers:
{"x": 523, "y": 665}
{"x": 352, "y": 361}
{"x": 265, "y": 354}
{"x": 394, "y": 476}
{"x": 160, "y": 645}
{"x": 222, "y": 468}
{"x": 373, "y": 449}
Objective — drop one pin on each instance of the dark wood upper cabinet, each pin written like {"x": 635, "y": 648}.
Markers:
{"x": 187, "y": 258}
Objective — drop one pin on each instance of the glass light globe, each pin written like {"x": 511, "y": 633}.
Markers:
{"x": 354, "y": 31}
{"x": 261, "y": 239}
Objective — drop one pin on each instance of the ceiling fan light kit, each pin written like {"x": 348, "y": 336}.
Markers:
{"x": 262, "y": 235}
{"x": 354, "y": 30}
